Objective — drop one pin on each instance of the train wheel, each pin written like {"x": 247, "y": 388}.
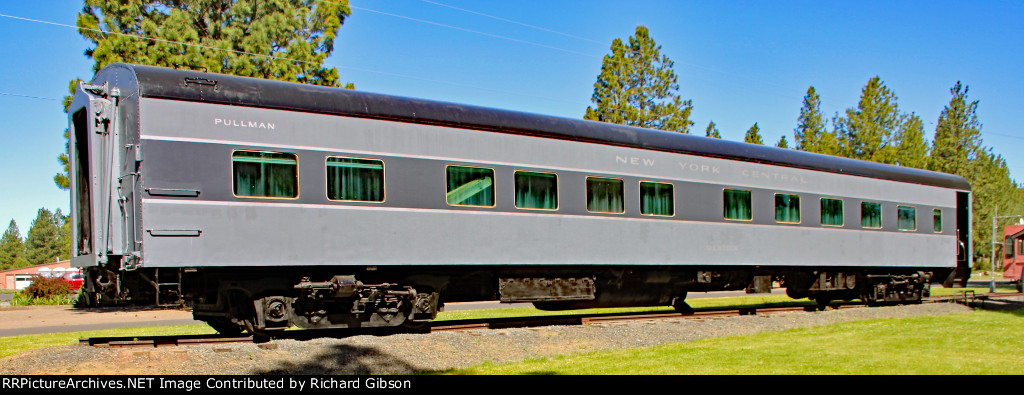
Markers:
{"x": 416, "y": 326}
{"x": 261, "y": 335}
{"x": 680, "y": 306}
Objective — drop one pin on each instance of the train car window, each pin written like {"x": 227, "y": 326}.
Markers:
{"x": 657, "y": 198}
{"x": 470, "y": 186}
{"x": 536, "y": 191}
{"x": 1020, "y": 247}
{"x": 605, "y": 195}
{"x": 831, "y": 212}
{"x": 787, "y": 208}
{"x": 937, "y": 220}
{"x": 737, "y": 205}
{"x": 265, "y": 174}
{"x": 355, "y": 179}
{"x": 1008, "y": 244}
{"x": 871, "y": 215}
{"x": 907, "y": 217}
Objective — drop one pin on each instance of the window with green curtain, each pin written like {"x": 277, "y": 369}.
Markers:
{"x": 355, "y": 179}
{"x": 831, "y": 212}
{"x": 537, "y": 191}
{"x": 937, "y": 220}
{"x": 737, "y": 204}
{"x": 1008, "y": 247}
{"x": 265, "y": 174}
{"x": 787, "y": 208}
{"x": 657, "y": 198}
{"x": 907, "y": 217}
{"x": 870, "y": 215}
{"x": 470, "y": 186}
{"x": 605, "y": 195}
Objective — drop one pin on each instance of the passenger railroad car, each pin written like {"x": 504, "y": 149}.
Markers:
{"x": 267, "y": 204}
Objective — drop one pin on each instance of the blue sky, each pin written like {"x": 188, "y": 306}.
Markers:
{"x": 740, "y": 62}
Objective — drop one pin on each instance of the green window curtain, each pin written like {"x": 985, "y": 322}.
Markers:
{"x": 605, "y": 195}
{"x": 1008, "y": 247}
{"x": 907, "y": 217}
{"x": 265, "y": 174}
{"x": 787, "y": 208}
{"x": 737, "y": 204}
{"x": 536, "y": 190}
{"x": 937, "y": 220}
{"x": 831, "y": 212}
{"x": 870, "y": 215}
{"x": 355, "y": 179}
{"x": 470, "y": 186}
{"x": 657, "y": 198}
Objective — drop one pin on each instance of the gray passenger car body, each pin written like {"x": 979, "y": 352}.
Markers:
{"x": 151, "y": 177}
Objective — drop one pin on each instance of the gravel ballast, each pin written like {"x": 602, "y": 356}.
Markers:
{"x": 410, "y": 353}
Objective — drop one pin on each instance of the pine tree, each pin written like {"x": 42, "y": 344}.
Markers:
{"x": 782, "y": 142}
{"x": 221, "y": 35}
{"x": 868, "y": 130}
{"x": 42, "y": 245}
{"x": 638, "y": 87}
{"x": 810, "y": 134}
{"x": 12, "y": 248}
{"x": 712, "y": 131}
{"x": 957, "y": 149}
{"x": 957, "y": 140}
{"x": 63, "y": 224}
{"x": 911, "y": 149}
{"x": 753, "y": 135}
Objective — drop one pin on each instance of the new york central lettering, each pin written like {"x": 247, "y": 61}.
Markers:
{"x": 700, "y": 168}
{"x": 793, "y": 178}
{"x": 635, "y": 161}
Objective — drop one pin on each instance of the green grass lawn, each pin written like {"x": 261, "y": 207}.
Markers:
{"x": 972, "y": 344}
{"x": 11, "y": 345}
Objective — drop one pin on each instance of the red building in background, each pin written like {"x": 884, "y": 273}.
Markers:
{"x": 20, "y": 277}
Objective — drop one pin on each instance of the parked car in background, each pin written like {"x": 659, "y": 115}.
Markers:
{"x": 74, "y": 279}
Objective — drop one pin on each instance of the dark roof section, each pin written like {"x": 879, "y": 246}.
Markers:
{"x": 165, "y": 83}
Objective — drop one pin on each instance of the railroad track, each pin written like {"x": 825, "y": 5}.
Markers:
{"x": 969, "y": 298}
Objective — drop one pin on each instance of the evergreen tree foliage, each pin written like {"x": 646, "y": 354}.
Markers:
{"x": 712, "y": 131}
{"x": 63, "y": 224}
{"x": 638, "y": 87}
{"x": 911, "y": 149}
{"x": 810, "y": 134}
{"x": 957, "y": 139}
{"x": 782, "y": 142}
{"x": 957, "y": 149}
{"x": 42, "y": 245}
{"x": 12, "y": 248}
{"x": 992, "y": 187}
{"x": 867, "y": 131}
{"x": 61, "y": 178}
{"x": 753, "y": 135}
{"x": 222, "y": 36}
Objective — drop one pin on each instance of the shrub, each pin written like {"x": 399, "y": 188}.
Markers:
{"x": 47, "y": 288}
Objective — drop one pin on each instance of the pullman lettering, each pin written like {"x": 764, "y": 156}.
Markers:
{"x": 238, "y": 123}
